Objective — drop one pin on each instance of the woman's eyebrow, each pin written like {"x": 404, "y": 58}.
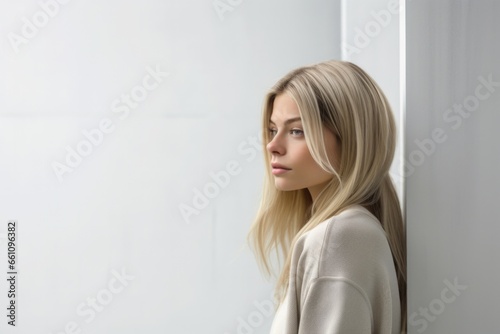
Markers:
{"x": 288, "y": 121}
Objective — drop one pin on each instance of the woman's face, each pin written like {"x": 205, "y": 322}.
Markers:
{"x": 292, "y": 165}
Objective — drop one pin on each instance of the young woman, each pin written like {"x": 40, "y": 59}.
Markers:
{"x": 329, "y": 205}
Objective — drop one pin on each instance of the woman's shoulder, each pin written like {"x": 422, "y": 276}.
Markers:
{"x": 352, "y": 240}
{"x": 354, "y": 222}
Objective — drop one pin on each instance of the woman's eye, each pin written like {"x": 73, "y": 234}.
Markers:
{"x": 272, "y": 132}
{"x": 293, "y": 132}
{"x": 296, "y": 132}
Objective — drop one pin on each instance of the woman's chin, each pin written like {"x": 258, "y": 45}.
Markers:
{"x": 285, "y": 186}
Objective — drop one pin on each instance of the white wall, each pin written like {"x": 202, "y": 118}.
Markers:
{"x": 119, "y": 206}
{"x": 452, "y": 153}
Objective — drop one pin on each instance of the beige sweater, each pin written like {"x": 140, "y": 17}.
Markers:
{"x": 342, "y": 280}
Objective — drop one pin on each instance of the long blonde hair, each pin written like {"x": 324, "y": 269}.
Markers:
{"x": 341, "y": 96}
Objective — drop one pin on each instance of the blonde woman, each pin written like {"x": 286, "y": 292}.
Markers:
{"x": 329, "y": 205}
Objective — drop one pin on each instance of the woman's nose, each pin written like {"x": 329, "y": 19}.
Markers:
{"x": 275, "y": 146}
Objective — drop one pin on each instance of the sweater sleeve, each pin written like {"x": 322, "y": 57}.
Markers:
{"x": 335, "y": 305}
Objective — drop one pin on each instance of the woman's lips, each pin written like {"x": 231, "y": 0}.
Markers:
{"x": 279, "y": 169}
